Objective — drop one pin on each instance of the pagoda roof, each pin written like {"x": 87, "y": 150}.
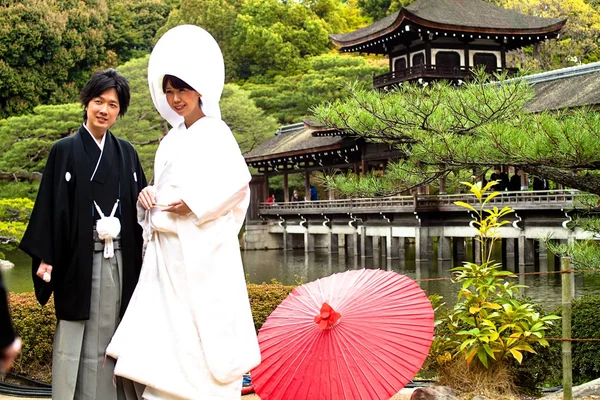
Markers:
{"x": 475, "y": 16}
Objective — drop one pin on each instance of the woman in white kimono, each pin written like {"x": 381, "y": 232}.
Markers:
{"x": 188, "y": 331}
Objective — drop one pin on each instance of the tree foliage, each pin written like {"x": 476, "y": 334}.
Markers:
{"x": 14, "y": 216}
{"x": 578, "y": 42}
{"x": 48, "y": 49}
{"x": 442, "y": 129}
{"x": 132, "y": 26}
{"x": 319, "y": 79}
{"x": 267, "y": 37}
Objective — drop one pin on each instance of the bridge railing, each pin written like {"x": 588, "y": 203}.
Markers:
{"x": 541, "y": 199}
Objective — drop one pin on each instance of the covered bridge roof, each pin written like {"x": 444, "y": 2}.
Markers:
{"x": 571, "y": 87}
{"x": 293, "y": 142}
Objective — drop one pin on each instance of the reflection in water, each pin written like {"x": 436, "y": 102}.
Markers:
{"x": 294, "y": 267}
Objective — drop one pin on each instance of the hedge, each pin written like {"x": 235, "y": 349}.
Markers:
{"x": 35, "y": 325}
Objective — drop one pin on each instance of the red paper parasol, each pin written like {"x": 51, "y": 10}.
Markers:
{"x": 360, "y": 334}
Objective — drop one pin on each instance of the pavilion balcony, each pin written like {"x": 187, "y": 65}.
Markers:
{"x": 430, "y": 72}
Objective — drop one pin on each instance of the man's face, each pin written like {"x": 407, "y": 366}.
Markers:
{"x": 102, "y": 111}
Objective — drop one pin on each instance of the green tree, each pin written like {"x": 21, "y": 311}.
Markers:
{"x": 132, "y": 26}
{"x": 14, "y": 215}
{"x": 578, "y": 42}
{"x": 249, "y": 124}
{"x": 265, "y": 38}
{"x": 48, "y": 49}
{"x": 375, "y": 9}
{"x": 443, "y": 129}
{"x": 321, "y": 78}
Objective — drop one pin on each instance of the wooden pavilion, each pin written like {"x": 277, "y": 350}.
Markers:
{"x": 446, "y": 39}
{"x": 308, "y": 147}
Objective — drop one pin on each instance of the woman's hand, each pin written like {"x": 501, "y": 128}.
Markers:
{"x": 178, "y": 207}
{"x": 146, "y": 197}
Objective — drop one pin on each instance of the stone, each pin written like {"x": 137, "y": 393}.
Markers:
{"x": 591, "y": 388}
{"x": 433, "y": 393}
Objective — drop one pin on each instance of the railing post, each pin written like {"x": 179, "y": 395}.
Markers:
{"x": 566, "y": 329}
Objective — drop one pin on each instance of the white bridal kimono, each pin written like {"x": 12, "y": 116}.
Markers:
{"x": 188, "y": 332}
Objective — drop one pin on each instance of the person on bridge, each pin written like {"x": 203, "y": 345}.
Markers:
{"x": 295, "y": 196}
{"x": 539, "y": 183}
{"x": 271, "y": 199}
{"x": 514, "y": 184}
{"x": 188, "y": 332}
{"x": 501, "y": 177}
{"x": 314, "y": 195}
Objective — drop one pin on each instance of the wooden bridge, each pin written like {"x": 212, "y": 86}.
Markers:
{"x": 531, "y": 200}
{"x": 373, "y": 227}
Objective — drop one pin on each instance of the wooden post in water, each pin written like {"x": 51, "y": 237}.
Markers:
{"x": 566, "y": 328}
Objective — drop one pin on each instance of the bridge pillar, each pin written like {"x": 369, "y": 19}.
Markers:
{"x": 459, "y": 248}
{"x": 526, "y": 254}
{"x": 476, "y": 251}
{"x": 388, "y": 244}
{"x": 542, "y": 250}
{"x": 353, "y": 244}
{"x": 393, "y": 246}
{"x": 366, "y": 243}
{"x": 401, "y": 248}
{"x": 309, "y": 242}
{"x": 333, "y": 243}
{"x": 378, "y": 246}
{"x": 287, "y": 241}
{"x": 509, "y": 245}
{"x": 444, "y": 248}
{"x": 423, "y": 244}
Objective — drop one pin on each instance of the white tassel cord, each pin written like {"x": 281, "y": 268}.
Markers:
{"x": 108, "y": 228}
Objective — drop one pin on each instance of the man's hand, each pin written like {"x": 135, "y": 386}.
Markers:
{"x": 147, "y": 198}
{"x": 44, "y": 271}
{"x": 8, "y": 355}
{"x": 178, "y": 207}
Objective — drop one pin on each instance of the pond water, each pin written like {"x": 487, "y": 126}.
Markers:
{"x": 292, "y": 267}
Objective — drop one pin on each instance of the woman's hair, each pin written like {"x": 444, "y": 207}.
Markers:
{"x": 176, "y": 83}
{"x": 100, "y": 82}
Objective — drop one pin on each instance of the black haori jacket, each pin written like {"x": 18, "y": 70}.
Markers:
{"x": 61, "y": 224}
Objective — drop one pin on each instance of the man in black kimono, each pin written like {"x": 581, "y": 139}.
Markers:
{"x": 85, "y": 242}
{"x": 10, "y": 345}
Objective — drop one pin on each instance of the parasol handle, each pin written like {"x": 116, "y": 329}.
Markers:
{"x": 328, "y": 317}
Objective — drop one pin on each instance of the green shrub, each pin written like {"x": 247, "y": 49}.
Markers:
{"x": 264, "y": 299}
{"x": 35, "y": 325}
{"x": 585, "y": 324}
{"x": 489, "y": 329}
{"x": 14, "y": 215}
{"x": 544, "y": 367}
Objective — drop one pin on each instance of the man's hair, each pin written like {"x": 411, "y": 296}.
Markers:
{"x": 100, "y": 82}
{"x": 176, "y": 83}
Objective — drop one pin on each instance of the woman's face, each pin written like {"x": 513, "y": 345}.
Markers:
{"x": 184, "y": 102}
